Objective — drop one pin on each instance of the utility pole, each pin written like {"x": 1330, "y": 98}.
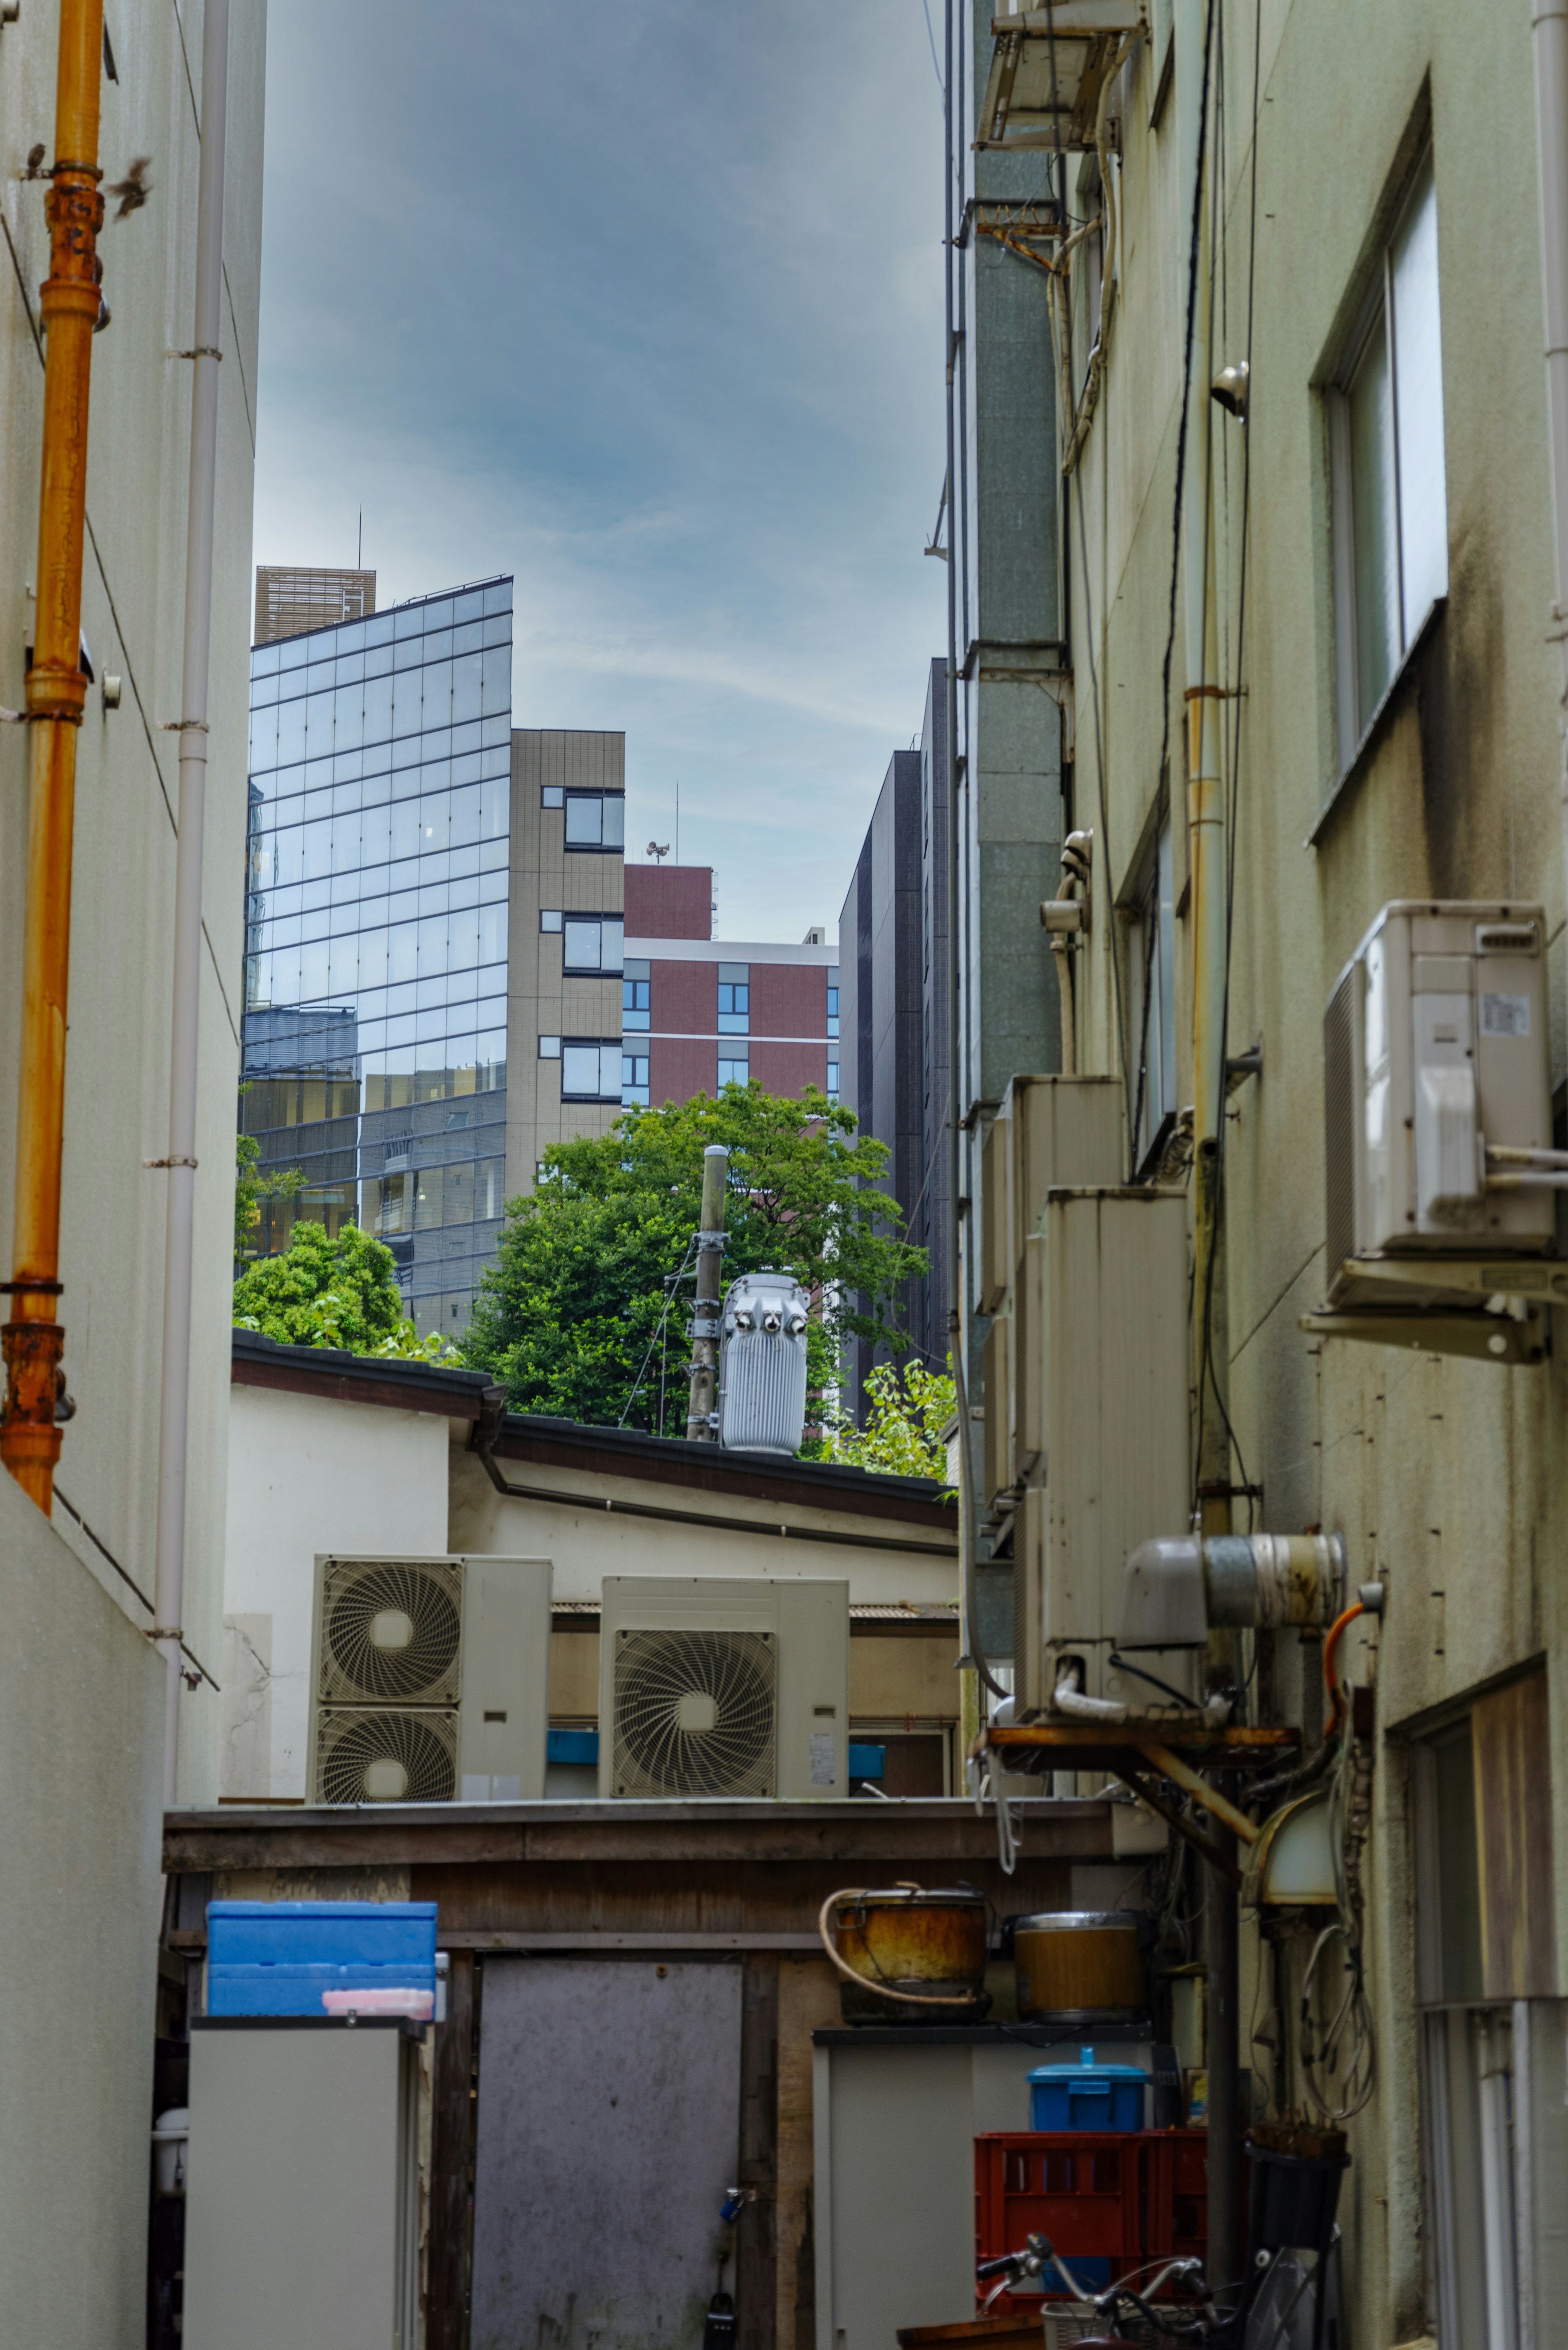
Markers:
{"x": 705, "y": 1311}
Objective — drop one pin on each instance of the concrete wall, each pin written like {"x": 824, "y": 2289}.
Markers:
{"x": 81, "y": 1739}
{"x": 1445, "y": 1476}
{"x": 539, "y": 999}
{"x": 81, "y": 1733}
{"x": 588, "y": 1543}
{"x": 307, "y": 1477}
{"x": 117, "y": 1081}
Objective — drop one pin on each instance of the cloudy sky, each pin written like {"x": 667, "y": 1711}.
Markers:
{"x": 640, "y": 301}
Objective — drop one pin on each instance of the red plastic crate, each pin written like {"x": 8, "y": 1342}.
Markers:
{"x": 1122, "y": 2197}
{"x": 1178, "y": 2203}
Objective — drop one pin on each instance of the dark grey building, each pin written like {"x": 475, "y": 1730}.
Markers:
{"x": 893, "y": 965}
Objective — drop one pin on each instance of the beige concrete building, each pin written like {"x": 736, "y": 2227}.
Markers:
{"x": 566, "y": 941}
{"x": 1383, "y": 665}
{"x": 81, "y": 1690}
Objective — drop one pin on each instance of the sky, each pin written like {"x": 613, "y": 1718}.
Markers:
{"x": 641, "y": 302}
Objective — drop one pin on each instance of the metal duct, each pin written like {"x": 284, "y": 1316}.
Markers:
{"x": 1180, "y": 1587}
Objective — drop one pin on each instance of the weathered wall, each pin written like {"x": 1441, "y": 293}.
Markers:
{"x": 305, "y": 1478}
{"x": 1443, "y": 1475}
{"x": 81, "y": 1739}
{"x": 587, "y": 1544}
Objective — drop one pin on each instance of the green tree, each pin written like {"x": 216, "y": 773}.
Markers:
{"x": 251, "y": 1187}
{"x": 909, "y": 1406}
{"x": 325, "y": 1293}
{"x": 590, "y": 1295}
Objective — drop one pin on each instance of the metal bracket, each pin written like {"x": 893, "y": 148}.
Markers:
{"x": 1486, "y": 1338}
{"x": 1472, "y": 1276}
{"x": 703, "y": 1326}
{"x": 169, "y": 1163}
{"x": 711, "y": 1240}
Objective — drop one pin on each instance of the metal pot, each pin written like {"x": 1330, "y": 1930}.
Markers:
{"x": 908, "y": 1956}
{"x": 1081, "y": 1967}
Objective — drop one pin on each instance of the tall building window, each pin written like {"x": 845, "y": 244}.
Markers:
{"x": 634, "y": 1081}
{"x": 592, "y": 945}
{"x": 1390, "y": 498}
{"x": 734, "y": 1000}
{"x": 375, "y": 917}
{"x": 590, "y": 1068}
{"x": 833, "y": 1081}
{"x": 833, "y": 999}
{"x": 734, "y": 1072}
{"x": 635, "y": 989}
{"x": 596, "y": 820}
{"x": 1151, "y": 992}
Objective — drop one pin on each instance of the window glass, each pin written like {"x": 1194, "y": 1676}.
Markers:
{"x": 614, "y": 820}
{"x": 581, "y": 948}
{"x": 549, "y": 1048}
{"x": 1390, "y": 508}
{"x": 585, "y": 820}
{"x": 634, "y": 1081}
{"x": 734, "y": 1072}
{"x": 634, "y": 995}
{"x": 549, "y": 920}
{"x": 833, "y": 1080}
{"x": 1373, "y": 528}
{"x": 1418, "y": 403}
{"x": 734, "y": 999}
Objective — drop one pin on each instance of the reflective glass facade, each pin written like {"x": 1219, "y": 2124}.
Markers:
{"x": 375, "y": 1016}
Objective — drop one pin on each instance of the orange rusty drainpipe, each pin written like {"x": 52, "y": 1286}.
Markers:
{"x": 57, "y": 695}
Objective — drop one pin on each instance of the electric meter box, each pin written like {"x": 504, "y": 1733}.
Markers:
{"x": 1434, "y": 1062}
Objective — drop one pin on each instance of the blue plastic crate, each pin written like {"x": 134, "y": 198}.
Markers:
{"x": 276, "y": 1957}
{"x": 1087, "y": 2095}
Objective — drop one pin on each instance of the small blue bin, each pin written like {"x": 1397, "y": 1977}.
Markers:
{"x": 1087, "y": 2095}
{"x": 276, "y": 1957}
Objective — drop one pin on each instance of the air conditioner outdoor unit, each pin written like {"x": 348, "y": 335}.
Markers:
{"x": 1437, "y": 1093}
{"x": 1111, "y": 1327}
{"x": 430, "y": 1679}
{"x": 733, "y": 1685}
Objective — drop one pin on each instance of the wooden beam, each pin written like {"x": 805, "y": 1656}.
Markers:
{"x": 452, "y": 2158}
{"x": 756, "y": 2227}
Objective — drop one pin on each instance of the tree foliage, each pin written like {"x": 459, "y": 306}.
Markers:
{"x": 251, "y": 1187}
{"x": 909, "y": 1406}
{"x": 590, "y": 1295}
{"x": 329, "y": 1292}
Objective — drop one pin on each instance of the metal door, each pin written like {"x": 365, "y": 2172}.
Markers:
{"x": 608, "y": 2129}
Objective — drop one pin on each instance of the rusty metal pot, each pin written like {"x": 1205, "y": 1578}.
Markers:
{"x": 1081, "y": 1967}
{"x": 908, "y": 1956}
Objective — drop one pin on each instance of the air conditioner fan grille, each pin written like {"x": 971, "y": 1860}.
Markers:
{"x": 665, "y": 1682}
{"x": 386, "y": 1754}
{"x": 391, "y": 1631}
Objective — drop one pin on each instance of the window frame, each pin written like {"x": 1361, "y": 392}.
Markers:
{"x": 733, "y": 1062}
{"x": 603, "y": 801}
{"x": 602, "y": 1045}
{"x": 1377, "y": 310}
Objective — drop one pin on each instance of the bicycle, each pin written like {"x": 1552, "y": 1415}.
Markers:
{"x": 1130, "y": 2313}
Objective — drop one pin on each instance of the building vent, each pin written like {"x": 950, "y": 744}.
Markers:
{"x": 392, "y": 1632}
{"x": 695, "y": 1713}
{"x": 386, "y": 1754}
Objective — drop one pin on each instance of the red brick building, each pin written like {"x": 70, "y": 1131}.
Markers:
{"x": 699, "y": 1011}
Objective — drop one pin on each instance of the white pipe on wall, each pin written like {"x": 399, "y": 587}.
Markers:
{"x": 173, "y": 1436}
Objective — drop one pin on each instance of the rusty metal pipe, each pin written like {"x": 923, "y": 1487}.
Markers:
{"x": 57, "y": 695}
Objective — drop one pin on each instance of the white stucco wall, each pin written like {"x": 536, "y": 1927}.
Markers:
{"x": 307, "y": 1476}
{"x": 81, "y": 1731}
{"x": 586, "y": 1543}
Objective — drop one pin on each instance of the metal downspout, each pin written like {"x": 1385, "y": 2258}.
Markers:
{"x": 180, "y": 1165}
{"x": 1549, "y": 23}
{"x": 57, "y": 695}
{"x": 1206, "y": 868}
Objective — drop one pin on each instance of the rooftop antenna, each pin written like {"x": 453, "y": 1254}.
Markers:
{"x": 360, "y": 557}
{"x": 677, "y": 819}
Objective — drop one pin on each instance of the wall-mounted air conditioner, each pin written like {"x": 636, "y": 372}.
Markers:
{"x": 1048, "y": 1131}
{"x": 733, "y": 1685}
{"x": 1437, "y": 1092}
{"x": 430, "y": 1679}
{"x": 1112, "y": 1390}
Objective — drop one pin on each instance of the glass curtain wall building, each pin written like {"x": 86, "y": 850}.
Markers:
{"x": 374, "y": 1056}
